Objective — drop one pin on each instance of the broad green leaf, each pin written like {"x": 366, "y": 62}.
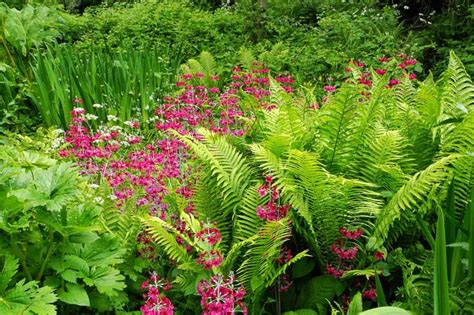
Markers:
{"x": 386, "y": 310}
{"x": 355, "y": 307}
{"x": 108, "y": 280}
{"x": 75, "y": 294}
{"x": 303, "y": 267}
{"x": 301, "y": 312}
{"x": 381, "y": 301}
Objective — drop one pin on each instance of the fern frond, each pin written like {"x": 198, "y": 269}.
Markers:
{"x": 228, "y": 176}
{"x": 235, "y": 251}
{"x": 246, "y": 220}
{"x": 259, "y": 264}
{"x": 208, "y": 63}
{"x": 285, "y": 266}
{"x": 458, "y": 92}
{"x": 417, "y": 191}
{"x": 386, "y": 162}
{"x": 335, "y": 129}
{"x": 158, "y": 230}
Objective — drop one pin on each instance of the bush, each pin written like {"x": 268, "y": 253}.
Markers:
{"x": 159, "y": 24}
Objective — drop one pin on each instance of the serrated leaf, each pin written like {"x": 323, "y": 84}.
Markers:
{"x": 108, "y": 280}
{"x": 75, "y": 295}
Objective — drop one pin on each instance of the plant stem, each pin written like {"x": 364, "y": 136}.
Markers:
{"x": 48, "y": 256}
{"x": 22, "y": 256}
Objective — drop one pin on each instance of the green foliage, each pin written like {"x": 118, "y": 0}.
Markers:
{"x": 388, "y": 310}
{"x": 441, "y": 287}
{"x": 122, "y": 84}
{"x": 49, "y": 222}
{"x": 317, "y": 291}
{"x": 24, "y": 297}
{"x": 158, "y": 23}
{"x": 356, "y": 162}
{"x": 21, "y": 31}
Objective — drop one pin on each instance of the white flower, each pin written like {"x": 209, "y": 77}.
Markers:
{"x": 93, "y": 186}
{"x": 98, "y": 106}
{"x": 112, "y": 197}
{"x": 129, "y": 123}
{"x": 420, "y": 14}
{"x": 423, "y": 20}
{"x": 58, "y": 131}
{"x": 406, "y": 7}
{"x": 100, "y": 200}
{"x": 112, "y": 117}
{"x": 56, "y": 143}
{"x": 91, "y": 117}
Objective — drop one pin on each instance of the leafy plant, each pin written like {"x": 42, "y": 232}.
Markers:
{"x": 24, "y": 297}
{"x": 123, "y": 84}
{"x": 50, "y": 227}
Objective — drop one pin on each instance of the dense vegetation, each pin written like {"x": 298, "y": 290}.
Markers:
{"x": 226, "y": 157}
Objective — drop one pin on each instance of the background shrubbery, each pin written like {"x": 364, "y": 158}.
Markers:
{"x": 336, "y": 165}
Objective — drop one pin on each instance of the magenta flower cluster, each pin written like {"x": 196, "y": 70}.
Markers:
{"x": 221, "y": 296}
{"x": 155, "y": 302}
{"x": 273, "y": 210}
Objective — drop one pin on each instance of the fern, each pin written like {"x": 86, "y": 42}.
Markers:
{"x": 416, "y": 191}
{"x": 259, "y": 268}
{"x": 159, "y": 231}
{"x": 335, "y": 129}
{"x": 458, "y": 93}
{"x": 228, "y": 176}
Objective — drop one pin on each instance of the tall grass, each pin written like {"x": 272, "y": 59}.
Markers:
{"x": 126, "y": 83}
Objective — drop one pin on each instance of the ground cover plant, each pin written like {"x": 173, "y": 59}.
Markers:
{"x": 219, "y": 174}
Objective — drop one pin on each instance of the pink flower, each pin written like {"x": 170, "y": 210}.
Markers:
{"x": 333, "y": 271}
{"x": 379, "y": 255}
{"x": 210, "y": 259}
{"x": 380, "y": 71}
{"x": 329, "y": 88}
{"x": 352, "y": 235}
{"x": 210, "y": 235}
{"x": 393, "y": 82}
{"x": 370, "y": 294}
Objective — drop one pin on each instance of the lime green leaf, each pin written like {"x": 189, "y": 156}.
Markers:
{"x": 301, "y": 312}
{"x": 108, "y": 280}
{"x": 75, "y": 294}
{"x": 355, "y": 307}
{"x": 386, "y": 310}
{"x": 9, "y": 270}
